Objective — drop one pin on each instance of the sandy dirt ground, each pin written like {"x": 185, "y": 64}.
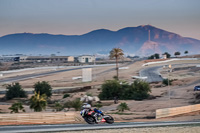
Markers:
{"x": 64, "y": 79}
{"x": 181, "y": 92}
{"x": 99, "y": 74}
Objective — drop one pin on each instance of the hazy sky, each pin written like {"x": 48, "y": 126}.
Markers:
{"x": 75, "y": 17}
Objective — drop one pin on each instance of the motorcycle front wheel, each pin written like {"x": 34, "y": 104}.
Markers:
{"x": 109, "y": 119}
{"x": 89, "y": 120}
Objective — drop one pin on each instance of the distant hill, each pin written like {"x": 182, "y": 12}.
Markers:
{"x": 133, "y": 40}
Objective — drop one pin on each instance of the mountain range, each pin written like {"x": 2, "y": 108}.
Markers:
{"x": 142, "y": 40}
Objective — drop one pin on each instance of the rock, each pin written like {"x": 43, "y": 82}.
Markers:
{"x": 96, "y": 99}
{"x": 90, "y": 98}
{"x": 86, "y": 98}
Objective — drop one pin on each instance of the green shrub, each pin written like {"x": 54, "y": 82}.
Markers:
{"x": 122, "y": 107}
{"x": 43, "y": 88}
{"x": 165, "y": 82}
{"x": 66, "y": 95}
{"x": 15, "y": 91}
{"x": 110, "y": 89}
{"x": 138, "y": 90}
{"x": 16, "y": 107}
{"x": 67, "y": 104}
{"x": 58, "y": 106}
{"x": 76, "y": 104}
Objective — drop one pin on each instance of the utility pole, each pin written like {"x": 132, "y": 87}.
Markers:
{"x": 169, "y": 89}
{"x": 94, "y": 74}
{"x": 149, "y": 35}
{"x": 94, "y": 59}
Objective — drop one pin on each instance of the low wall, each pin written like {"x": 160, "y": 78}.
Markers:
{"x": 39, "y": 118}
{"x": 167, "y": 112}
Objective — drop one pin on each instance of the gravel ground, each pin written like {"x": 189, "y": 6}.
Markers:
{"x": 179, "y": 129}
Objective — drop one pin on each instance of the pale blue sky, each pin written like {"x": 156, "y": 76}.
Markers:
{"x": 75, "y": 17}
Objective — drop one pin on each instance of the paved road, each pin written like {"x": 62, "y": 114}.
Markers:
{"x": 75, "y": 127}
{"x": 29, "y": 76}
{"x": 23, "y": 77}
{"x": 152, "y": 74}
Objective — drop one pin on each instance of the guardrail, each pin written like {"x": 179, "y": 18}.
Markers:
{"x": 167, "y": 112}
{"x": 39, "y": 118}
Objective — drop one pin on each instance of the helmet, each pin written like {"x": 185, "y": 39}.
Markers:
{"x": 86, "y": 106}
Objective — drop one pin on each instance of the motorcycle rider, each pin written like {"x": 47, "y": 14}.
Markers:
{"x": 87, "y": 107}
{"x": 92, "y": 116}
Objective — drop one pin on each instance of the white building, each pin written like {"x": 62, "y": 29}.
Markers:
{"x": 86, "y": 58}
{"x": 47, "y": 59}
{"x": 164, "y": 56}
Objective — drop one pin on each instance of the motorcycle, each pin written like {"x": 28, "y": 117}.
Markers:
{"x": 92, "y": 117}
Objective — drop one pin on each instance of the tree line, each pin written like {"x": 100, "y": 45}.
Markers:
{"x": 157, "y": 56}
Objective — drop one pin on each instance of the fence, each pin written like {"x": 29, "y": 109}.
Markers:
{"x": 38, "y": 118}
{"x": 167, "y": 112}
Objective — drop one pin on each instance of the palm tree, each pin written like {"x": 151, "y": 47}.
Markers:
{"x": 16, "y": 107}
{"x": 116, "y": 53}
{"x": 38, "y": 102}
